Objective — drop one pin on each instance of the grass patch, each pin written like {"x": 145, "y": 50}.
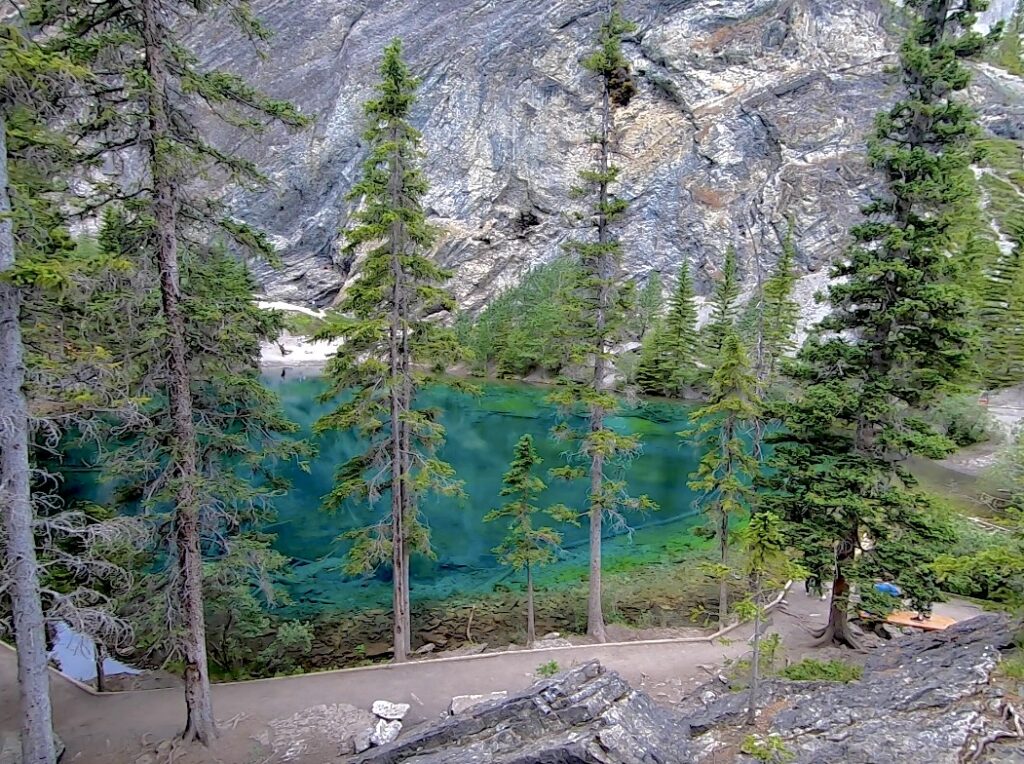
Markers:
{"x": 302, "y": 324}
{"x": 547, "y": 669}
{"x": 1012, "y": 667}
{"x": 809, "y": 670}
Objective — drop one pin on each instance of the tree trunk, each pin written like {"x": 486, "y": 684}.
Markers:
{"x": 723, "y": 584}
{"x": 99, "y": 652}
{"x": 398, "y": 389}
{"x": 595, "y": 613}
{"x": 838, "y": 629}
{"x": 755, "y": 668}
{"x": 531, "y": 624}
{"x": 36, "y": 723}
{"x": 200, "y": 722}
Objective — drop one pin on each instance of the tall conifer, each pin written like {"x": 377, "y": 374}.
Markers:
{"x": 724, "y": 478}
{"x": 381, "y": 321}
{"x": 898, "y": 336}
{"x": 601, "y": 303}
{"x": 668, "y": 359}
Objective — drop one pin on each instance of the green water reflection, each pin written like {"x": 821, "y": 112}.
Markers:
{"x": 481, "y": 433}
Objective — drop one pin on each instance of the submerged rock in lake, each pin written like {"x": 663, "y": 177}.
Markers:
{"x": 928, "y": 698}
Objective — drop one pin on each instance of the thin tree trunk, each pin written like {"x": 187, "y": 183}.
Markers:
{"x": 838, "y": 628}
{"x": 755, "y": 669}
{"x": 399, "y": 404}
{"x": 200, "y": 722}
{"x": 531, "y": 622}
{"x": 36, "y": 723}
{"x": 595, "y": 613}
{"x": 99, "y": 652}
{"x": 723, "y": 584}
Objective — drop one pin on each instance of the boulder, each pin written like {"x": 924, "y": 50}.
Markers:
{"x": 385, "y": 709}
{"x": 385, "y": 732}
{"x": 928, "y": 698}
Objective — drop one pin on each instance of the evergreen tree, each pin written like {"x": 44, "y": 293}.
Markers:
{"x": 382, "y": 322}
{"x": 527, "y": 546}
{"x": 764, "y": 543}
{"x": 19, "y": 69}
{"x": 602, "y": 306}
{"x": 648, "y": 305}
{"x": 723, "y": 307}
{"x": 724, "y": 477}
{"x": 668, "y": 359}
{"x": 780, "y": 311}
{"x": 897, "y": 338}
{"x": 144, "y": 104}
{"x": 1001, "y": 316}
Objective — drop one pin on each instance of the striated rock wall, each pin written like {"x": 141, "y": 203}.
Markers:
{"x": 749, "y": 112}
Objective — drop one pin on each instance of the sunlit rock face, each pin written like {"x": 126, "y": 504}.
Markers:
{"x": 748, "y": 113}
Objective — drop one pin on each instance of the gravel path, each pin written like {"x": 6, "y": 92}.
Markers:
{"x": 112, "y": 728}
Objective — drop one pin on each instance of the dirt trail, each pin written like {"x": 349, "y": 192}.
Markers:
{"x": 112, "y": 728}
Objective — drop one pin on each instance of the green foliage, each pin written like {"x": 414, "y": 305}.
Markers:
{"x": 668, "y": 359}
{"x": 1013, "y": 666}
{"x": 723, "y": 308}
{"x": 767, "y": 748}
{"x": 548, "y": 669}
{"x": 525, "y": 545}
{"x": 813, "y": 670}
{"x": 897, "y": 339}
{"x": 963, "y": 420}
{"x": 301, "y": 324}
{"x": 648, "y": 305}
{"x": 525, "y": 328}
{"x": 780, "y": 309}
{"x": 1009, "y": 53}
{"x": 724, "y": 477}
{"x": 382, "y": 323}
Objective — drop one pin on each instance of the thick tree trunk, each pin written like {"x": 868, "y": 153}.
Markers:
{"x": 531, "y": 620}
{"x": 36, "y": 724}
{"x": 200, "y": 722}
{"x": 838, "y": 629}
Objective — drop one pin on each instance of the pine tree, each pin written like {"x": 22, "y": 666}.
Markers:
{"x": 724, "y": 477}
{"x": 668, "y": 359}
{"x": 381, "y": 321}
{"x": 723, "y": 307}
{"x": 780, "y": 311}
{"x": 898, "y": 337}
{"x": 764, "y": 543}
{"x": 648, "y": 305}
{"x": 145, "y": 105}
{"x": 31, "y": 79}
{"x": 602, "y": 307}
{"x": 526, "y": 546}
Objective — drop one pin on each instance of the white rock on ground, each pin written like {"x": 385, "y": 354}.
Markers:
{"x": 385, "y": 732}
{"x": 385, "y": 709}
{"x": 461, "y": 702}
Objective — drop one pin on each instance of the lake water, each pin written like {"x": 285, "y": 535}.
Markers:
{"x": 481, "y": 433}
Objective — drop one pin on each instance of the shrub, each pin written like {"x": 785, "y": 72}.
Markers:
{"x": 548, "y": 669}
{"x": 769, "y": 749}
{"x": 810, "y": 669}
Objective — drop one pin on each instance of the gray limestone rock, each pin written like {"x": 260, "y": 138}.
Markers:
{"x": 747, "y": 112}
{"x": 385, "y": 732}
{"x": 462, "y": 703}
{"x": 928, "y": 698}
{"x": 385, "y": 709}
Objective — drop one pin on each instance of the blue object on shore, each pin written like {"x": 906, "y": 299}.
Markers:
{"x": 887, "y": 588}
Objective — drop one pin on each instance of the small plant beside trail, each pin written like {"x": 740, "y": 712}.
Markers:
{"x": 811, "y": 669}
{"x": 548, "y": 669}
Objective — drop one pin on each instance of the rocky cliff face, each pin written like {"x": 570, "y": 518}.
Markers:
{"x": 929, "y": 698}
{"x": 749, "y": 112}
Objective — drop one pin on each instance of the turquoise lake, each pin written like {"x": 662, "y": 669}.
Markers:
{"x": 481, "y": 432}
